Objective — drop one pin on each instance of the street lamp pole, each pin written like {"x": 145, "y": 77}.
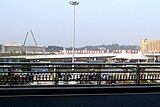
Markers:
{"x": 74, "y": 3}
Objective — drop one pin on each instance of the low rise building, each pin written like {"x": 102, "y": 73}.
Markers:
{"x": 17, "y": 48}
{"x": 82, "y": 52}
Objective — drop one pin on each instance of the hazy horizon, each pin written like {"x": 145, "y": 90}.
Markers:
{"x": 97, "y": 22}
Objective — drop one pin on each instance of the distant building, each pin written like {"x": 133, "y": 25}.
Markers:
{"x": 82, "y": 51}
{"x": 17, "y": 48}
{"x": 127, "y": 51}
{"x": 150, "y": 46}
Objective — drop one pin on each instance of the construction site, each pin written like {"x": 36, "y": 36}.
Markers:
{"x": 17, "y": 49}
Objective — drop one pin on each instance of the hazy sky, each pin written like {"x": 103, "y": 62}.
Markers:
{"x": 97, "y": 21}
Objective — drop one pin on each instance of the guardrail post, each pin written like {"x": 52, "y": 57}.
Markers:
{"x": 99, "y": 78}
{"x": 138, "y": 75}
{"x": 56, "y": 78}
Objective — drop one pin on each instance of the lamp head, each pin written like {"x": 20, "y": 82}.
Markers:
{"x": 74, "y": 2}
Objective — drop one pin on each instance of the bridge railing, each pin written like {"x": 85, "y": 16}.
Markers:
{"x": 30, "y": 73}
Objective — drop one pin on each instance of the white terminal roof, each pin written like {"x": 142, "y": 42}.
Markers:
{"x": 70, "y": 56}
{"x": 122, "y": 55}
{"x": 125, "y": 55}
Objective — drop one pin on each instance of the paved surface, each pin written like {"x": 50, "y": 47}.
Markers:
{"x": 117, "y": 100}
{"x": 80, "y": 96}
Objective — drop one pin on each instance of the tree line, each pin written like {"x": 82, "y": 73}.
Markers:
{"x": 109, "y": 47}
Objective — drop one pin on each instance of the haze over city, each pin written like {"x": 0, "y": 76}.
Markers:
{"x": 97, "y": 22}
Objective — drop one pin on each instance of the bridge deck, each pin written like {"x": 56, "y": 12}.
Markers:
{"x": 80, "y": 96}
{"x": 78, "y": 90}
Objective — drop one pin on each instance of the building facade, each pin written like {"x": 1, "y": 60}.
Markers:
{"x": 82, "y": 52}
{"x": 150, "y": 46}
{"x": 16, "y": 48}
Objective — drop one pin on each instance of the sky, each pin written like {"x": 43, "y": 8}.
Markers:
{"x": 98, "y": 22}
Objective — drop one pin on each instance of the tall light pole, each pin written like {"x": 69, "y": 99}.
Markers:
{"x": 74, "y": 3}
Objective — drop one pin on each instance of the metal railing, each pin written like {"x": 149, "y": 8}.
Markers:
{"x": 30, "y": 73}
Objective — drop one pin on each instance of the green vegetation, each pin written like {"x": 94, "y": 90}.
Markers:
{"x": 98, "y": 47}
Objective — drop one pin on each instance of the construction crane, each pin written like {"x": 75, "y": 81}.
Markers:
{"x": 33, "y": 37}
{"x": 25, "y": 39}
{"x": 24, "y": 43}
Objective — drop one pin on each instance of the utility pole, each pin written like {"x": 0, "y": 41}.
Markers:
{"x": 74, "y": 3}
